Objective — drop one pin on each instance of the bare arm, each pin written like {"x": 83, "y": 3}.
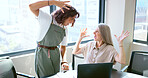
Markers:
{"x": 77, "y": 49}
{"x": 121, "y": 58}
{"x": 63, "y": 49}
{"x": 34, "y": 7}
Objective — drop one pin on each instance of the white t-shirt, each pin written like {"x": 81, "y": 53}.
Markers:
{"x": 45, "y": 21}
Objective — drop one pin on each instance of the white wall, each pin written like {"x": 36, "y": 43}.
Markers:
{"x": 120, "y": 16}
{"x": 115, "y": 19}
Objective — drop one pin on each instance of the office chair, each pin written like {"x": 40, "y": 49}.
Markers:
{"x": 138, "y": 63}
{"x": 75, "y": 61}
{"x": 7, "y": 69}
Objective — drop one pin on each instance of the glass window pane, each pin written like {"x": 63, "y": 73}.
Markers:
{"x": 18, "y": 26}
{"x": 89, "y": 13}
{"x": 141, "y": 20}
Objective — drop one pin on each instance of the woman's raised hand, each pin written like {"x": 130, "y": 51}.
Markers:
{"x": 122, "y": 37}
{"x": 83, "y": 33}
{"x": 62, "y": 4}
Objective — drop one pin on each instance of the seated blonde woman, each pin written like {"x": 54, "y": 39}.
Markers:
{"x": 101, "y": 50}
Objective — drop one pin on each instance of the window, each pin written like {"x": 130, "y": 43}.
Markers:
{"x": 89, "y": 18}
{"x": 19, "y": 27}
{"x": 141, "y": 22}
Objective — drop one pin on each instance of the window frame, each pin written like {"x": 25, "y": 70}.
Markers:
{"x": 135, "y": 40}
{"x": 53, "y": 8}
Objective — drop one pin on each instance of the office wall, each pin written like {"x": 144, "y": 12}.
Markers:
{"x": 115, "y": 20}
{"x": 120, "y": 16}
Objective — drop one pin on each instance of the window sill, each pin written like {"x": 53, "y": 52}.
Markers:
{"x": 140, "y": 44}
{"x": 139, "y": 47}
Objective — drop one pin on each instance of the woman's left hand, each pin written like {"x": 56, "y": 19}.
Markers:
{"x": 62, "y": 4}
{"x": 122, "y": 37}
{"x": 65, "y": 66}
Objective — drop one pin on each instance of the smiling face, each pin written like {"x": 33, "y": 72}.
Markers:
{"x": 97, "y": 35}
{"x": 69, "y": 20}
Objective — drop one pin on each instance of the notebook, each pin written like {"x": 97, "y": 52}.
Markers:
{"x": 96, "y": 70}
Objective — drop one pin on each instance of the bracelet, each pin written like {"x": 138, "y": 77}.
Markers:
{"x": 63, "y": 62}
{"x": 120, "y": 45}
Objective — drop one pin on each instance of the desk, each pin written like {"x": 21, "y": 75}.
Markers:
{"x": 115, "y": 74}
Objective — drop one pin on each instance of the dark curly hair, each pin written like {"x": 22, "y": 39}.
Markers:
{"x": 60, "y": 17}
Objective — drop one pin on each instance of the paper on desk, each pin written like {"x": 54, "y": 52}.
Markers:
{"x": 68, "y": 74}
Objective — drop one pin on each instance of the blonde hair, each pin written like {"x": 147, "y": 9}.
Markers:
{"x": 105, "y": 33}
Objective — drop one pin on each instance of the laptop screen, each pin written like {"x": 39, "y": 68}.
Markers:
{"x": 96, "y": 70}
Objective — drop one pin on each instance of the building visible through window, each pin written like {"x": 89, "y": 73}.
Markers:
{"x": 89, "y": 13}
{"x": 141, "y": 20}
{"x": 19, "y": 27}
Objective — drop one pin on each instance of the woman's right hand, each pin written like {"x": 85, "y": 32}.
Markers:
{"x": 62, "y": 4}
{"x": 83, "y": 33}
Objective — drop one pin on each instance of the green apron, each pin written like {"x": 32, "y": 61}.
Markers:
{"x": 45, "y": 66}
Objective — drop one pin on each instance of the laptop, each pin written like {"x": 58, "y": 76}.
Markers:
{"x": 96, "y": 70}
